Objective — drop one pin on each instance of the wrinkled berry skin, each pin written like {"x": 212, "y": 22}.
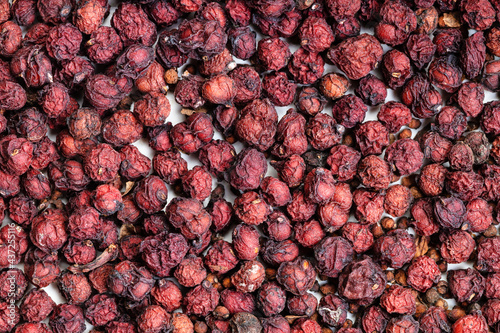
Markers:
{"x": 466, "y": 285}
{"x": 374, "y": 319}
{"x": 374, "y": 173}
{"x": 362, "y": 281}
{"x": 249, "y": 277}
{"x": 297, "y": 276}
{"x": 319, "y": 186}
{"x": 189, "y": 216}
{"x": 333, "y": 310}
{"x": 357, "y": 56}
{"x": 396, "y": 248}
{"x": 48, "y": 230}
{"x": 130, "y": 281}
{"x": 333, "y": 254}
{"x": 248, "y": 170}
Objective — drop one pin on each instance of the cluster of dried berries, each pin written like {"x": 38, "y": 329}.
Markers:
{"x": 365, "y": 214}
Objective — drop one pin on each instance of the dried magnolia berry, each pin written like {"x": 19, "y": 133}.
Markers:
{"x": 405, "y": 323}
{"x": 310, "y": 101}
{"x": 36, "y": 306}
{"x": 323, "y": 132}
{"x": 334, "y": 85}
{"x": 75, "y": 288}
{"x": 132, "y": 23}
{"x": 434, "y": 319}
{"x": 420, "y": 49}
{"x": 422, "y": 273}
{"x": 41, "y": 268}
{"x": 273, "y": 53}
{"x": 300, "y": 305}
{"x": 276, "y": 253}
{"x": 488, "y": 258}
{"x": 424, "y": 222}
{"x": 130, "y": 281}
{"x": 191, "y": 135}
{"x": 362, "y": 281}
{"x": 306, "y": 67}
{"x": 251, "y": 208}
{"x": 445, "y": 73}
{"x": 248, "y": 170}
{"x": 372, "y": 137}
{"x": 248, "y": 84}
{"x": 466, "y": 285}
{"x": 84, "y": 123}
{"x": 332, "y": 255}
{"x": 397, "y": 22}
{"x": 10, "y": 38}
{"x": 63, "y": 41}
{"x": 422, "y": 98}
{"x": 456, "y": 246}
{"x": 478, "y": 15}
{"x": 371, "y": 90}
{"x": 275, "y": 192}
{"x": 296, "y": 276}
{"x": 349, "y": 110}
{"x": 242, "y": 42}
{"x": 167, "y": 294}
{"x": 395, "y": 248}
{"x": 309, "y": 233}
{"x": 220, "y": 89}
{"x": 319, "y": 186}
{"x": 394, "y": 115}
{"x": 104, "y": 45}
{"x": 279, "y": 89}
{"x": 435, "y": 147}
{"x": 397, "y": 299}
{"x": 197, "y": 183}
{"x": 271, "y": 299}
{"x": 374, "y": 172}
{"x": 357, "y": 56}
{"x": 374, "y": 319}
{"x": 67, "y": 318}
{"x": 189, "y": 216}
{"x": 48, "y": 230}
{"x": 396, "y": 68}
{"x": 134, "y": 61}
{"x": 101, "y": 309}
{"x": 12, "y": 95}
{"x": 153, "y": 319}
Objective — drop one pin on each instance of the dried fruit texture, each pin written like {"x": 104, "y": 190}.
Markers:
{"x": 349, "y": 110}
{"x": 445, "y": 73}
{"x": 48, "y": 230}
{"x": 133, "y": 25}
{"x": 473, "y": 55}
{"x": 275, "y": 192}
{"x": 323, "y": 132}
{"x": 435, "y": 147}
{"x": 192, "y": 134}
{"x": 466, "y": 285}
{"x": 104, "y": 45}
{"x": 397, "y": 299}
{"x": 420, "y": 49}
{"x": 490, "y": 119}
{"x": 424, "y": 221}
{"x": 397, "y": 22}
{"x": 362, "y": 281}
{"x": 189, "y": 216}
{"x": 90, "y": 14}
{"x": 371, "y": 90}
{"x": 357, "y": 56}
{"x": 245, "y": 322}
{"x": 334, "y": 85}
{"x": 394, "y": 115}
{"x": 296, "y": 276}
{"x": 396, "y": 68}
{"x": 456, "y": 246}
{"x": 405, "y": 323}
{"x": 333, "y": 310}
{"x": 63, "y": 42}
{"x": 374, "y": 173}
{"x": 372, "y": 137}
{"x": 488, "y": 258}
{"x": 434, "y": 319}
{"x": 395, "y": 248}
{"x": 279, "y": 90}
{"x": 12, "y": 95}
{"x": 478, "y": 15}
{"x": 333, "y": 254}
{"x": 423, "y": 273}
{"x": 422, "y": 98}
{"x": 105, "y": 92}
{"x": 374, "y": 319}
{"x": 220, "y": 89}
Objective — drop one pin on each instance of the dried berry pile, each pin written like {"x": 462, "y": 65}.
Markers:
{"x": 367, "y": 214}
